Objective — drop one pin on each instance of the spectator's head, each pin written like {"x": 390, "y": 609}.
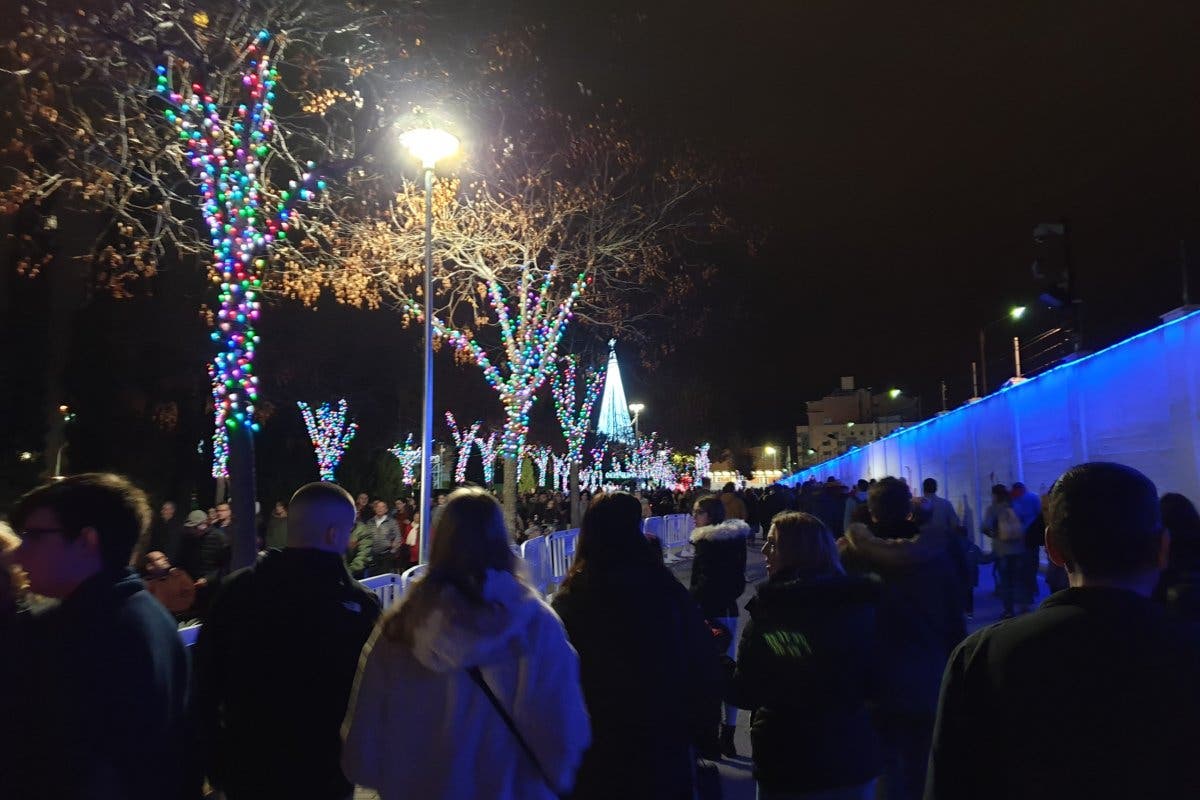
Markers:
{"x": 320, "y": 517}
{"x": 167, "y": 511}
{"x": 224, "y": 514}
{"x": 77, "y": 527}
{"x": 280, "y": 509}
{"x": 154, "y": 564}
{"x": 1018, "y": 489}
{"x": 863, "y": 485}
{"x": 799, "y": 542}
{"x": 1104, "y": 525}
{"x": 361, "y": 501}
{"x": 708, "y": 510}
{"x": 196, "y": 523}
{"x": 889, "y": 501}
{"x": 1000, "y": 494}
{"x": 380, "y": 508}
{"x": 212, "y": 516}
{"x": 12, "y": 577}
{"x": 610, "y": 536}
{"x": 729, "y": 487}
{"x": 1179, "y": 516}
{"x": 929, "y": 486}
{"x": 470, "y": 539}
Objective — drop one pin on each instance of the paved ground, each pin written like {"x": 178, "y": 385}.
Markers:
{"x": 736, "y": 776}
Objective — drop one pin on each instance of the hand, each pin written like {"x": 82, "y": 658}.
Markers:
{"x": 200, "y": 582}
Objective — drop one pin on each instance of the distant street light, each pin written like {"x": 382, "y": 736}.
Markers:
{"x": 637, "y": 409}
{"x": 772, "y": 452}
{"x": 894, "y": 393}
{"x": 1014, "y": 314}
{"x": 429, "y": 146}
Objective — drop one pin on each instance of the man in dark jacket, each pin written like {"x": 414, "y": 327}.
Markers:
{"x": 276, "y": 658}
{"x": 920, "y": 621}
{"x": 166, "y": 535}
{"x": 106, "y": 680}
{"x": 1100, "y": 668}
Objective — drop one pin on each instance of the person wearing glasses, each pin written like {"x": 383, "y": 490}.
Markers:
{"x": 105, "y": 681}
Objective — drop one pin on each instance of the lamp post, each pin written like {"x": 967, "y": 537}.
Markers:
{"x": 1015, "y": 313}
{"x": 429, "y": 145}
{"x": 637, "y": 409}
{"x": 772, "y": 452}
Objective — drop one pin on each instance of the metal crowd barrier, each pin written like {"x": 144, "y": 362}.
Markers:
{"x": 548, "y": 559}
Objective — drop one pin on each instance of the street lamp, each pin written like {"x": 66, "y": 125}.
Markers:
{"x": 429, "y": 146}
{"x": 894, "y": 393}
{"x": 1014, "y": 314}
{"x": 771, "y": 451}
{"x": 637, "y": 409}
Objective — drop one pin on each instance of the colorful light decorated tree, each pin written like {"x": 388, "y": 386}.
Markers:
{"x": 703, "y": 464}
{"x": 574, "y": 419}
{"x": 489, "y": 449}
{"x": 409, "y": 458}
{"x": 331, "y": 432}
{"x": 464, "y": 441}
{"x": 540, "y": 455}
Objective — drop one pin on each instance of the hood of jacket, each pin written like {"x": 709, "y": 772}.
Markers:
{"x": 456, "y": 634}
{"x": 729, "y": 529}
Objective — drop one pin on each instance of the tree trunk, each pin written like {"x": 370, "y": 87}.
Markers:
{"x": 510, "y": 493}
{"x": 242, "y": 497}
{"x": 576, "y": 509}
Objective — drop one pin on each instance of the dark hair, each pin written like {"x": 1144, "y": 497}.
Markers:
{"x": 469, "y": 539}
{"x": 118, "y": 510}
{"x": 863, "y": 485}
{"x": 610, "y": 536}
{"x": 1000, "y": 492}
{"x": 890, "y": 501}
{"x": 1105, "y": 519}
{"x": 929, "y": 485}
{"x": 1179, "y": 516}
{"x": 712, "y": 506}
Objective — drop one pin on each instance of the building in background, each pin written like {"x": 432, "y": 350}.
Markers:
{"x": 850, "y": 418}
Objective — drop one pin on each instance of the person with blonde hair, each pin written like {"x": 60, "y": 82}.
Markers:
{"x": 469, "y": 688}
{"x": 803, "y": 665}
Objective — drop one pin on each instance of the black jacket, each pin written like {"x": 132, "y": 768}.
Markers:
{"x": 804, "y": 668}
{"x": 104, "y": 682}
{"x": 1108, "y": 678}
{"x": 648, "y": 671}
{"x": 719, "y": 568}
{"x": 274, "y": 664}
{"x": 920, "y": 623}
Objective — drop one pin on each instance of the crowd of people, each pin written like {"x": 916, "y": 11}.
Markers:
{"x": 854, "y": 660}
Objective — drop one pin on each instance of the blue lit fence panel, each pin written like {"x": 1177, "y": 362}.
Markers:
{"x": 1135, "y": 402}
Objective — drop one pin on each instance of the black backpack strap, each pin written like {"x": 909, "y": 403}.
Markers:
{"x": 477, "y": 676}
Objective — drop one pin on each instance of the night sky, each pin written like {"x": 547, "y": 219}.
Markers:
{"x": 893, "y": 161}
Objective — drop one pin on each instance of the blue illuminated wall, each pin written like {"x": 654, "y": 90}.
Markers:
{"x": 1135, "y": 402}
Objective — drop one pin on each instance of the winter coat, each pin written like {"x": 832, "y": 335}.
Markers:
{"x": 104, "y": 706}
{"x": 637, "y": 631}
{"x": 275, "y": 661}
{"x": 419, "y": 727}
{"x": 719, "y": 568}
{"x": 204, "y": 555}
{"x": 1107, "y": 669}
{"x": 385, "y": 534}
{"x": 920, "y": 616}
{"x": 166, "y": 536}
{"x": 358, "y": 557}
{"x": 804, "y": 668}
{"x": 991, "y": 529}
{"x": 276, "y": 534}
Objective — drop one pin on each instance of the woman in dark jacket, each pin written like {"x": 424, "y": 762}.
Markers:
{"x": 718, "y": 580}
{"x": 646, "y": 663}
{"x": 803, "y": 668}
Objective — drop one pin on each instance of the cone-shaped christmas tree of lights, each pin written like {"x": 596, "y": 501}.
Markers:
{"x": 615, "y": 423}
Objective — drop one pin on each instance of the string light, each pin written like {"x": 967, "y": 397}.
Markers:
{"x": 226, "y": 150}
{"x": 703, "y": 465}
{"x": 463, "y": 442}
{"x": 331, "y": 433}
{"x": 530, "y": 343}
{"x": 489, "y": 448}
{"x": 540, "y": 455}
{"x": 409, "y": 458}
{"x": 574, "y": 422}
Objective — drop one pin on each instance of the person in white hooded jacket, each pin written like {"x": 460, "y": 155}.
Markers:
{"x": 418, "y": 724}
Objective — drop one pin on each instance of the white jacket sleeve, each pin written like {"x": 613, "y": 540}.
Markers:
{"x": 556, "y": 724}
{"x": 365, "y": 726}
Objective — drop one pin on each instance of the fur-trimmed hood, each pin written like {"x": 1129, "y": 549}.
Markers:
{"x": 457, "y": 634}
{"x": 729, "y": 529}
